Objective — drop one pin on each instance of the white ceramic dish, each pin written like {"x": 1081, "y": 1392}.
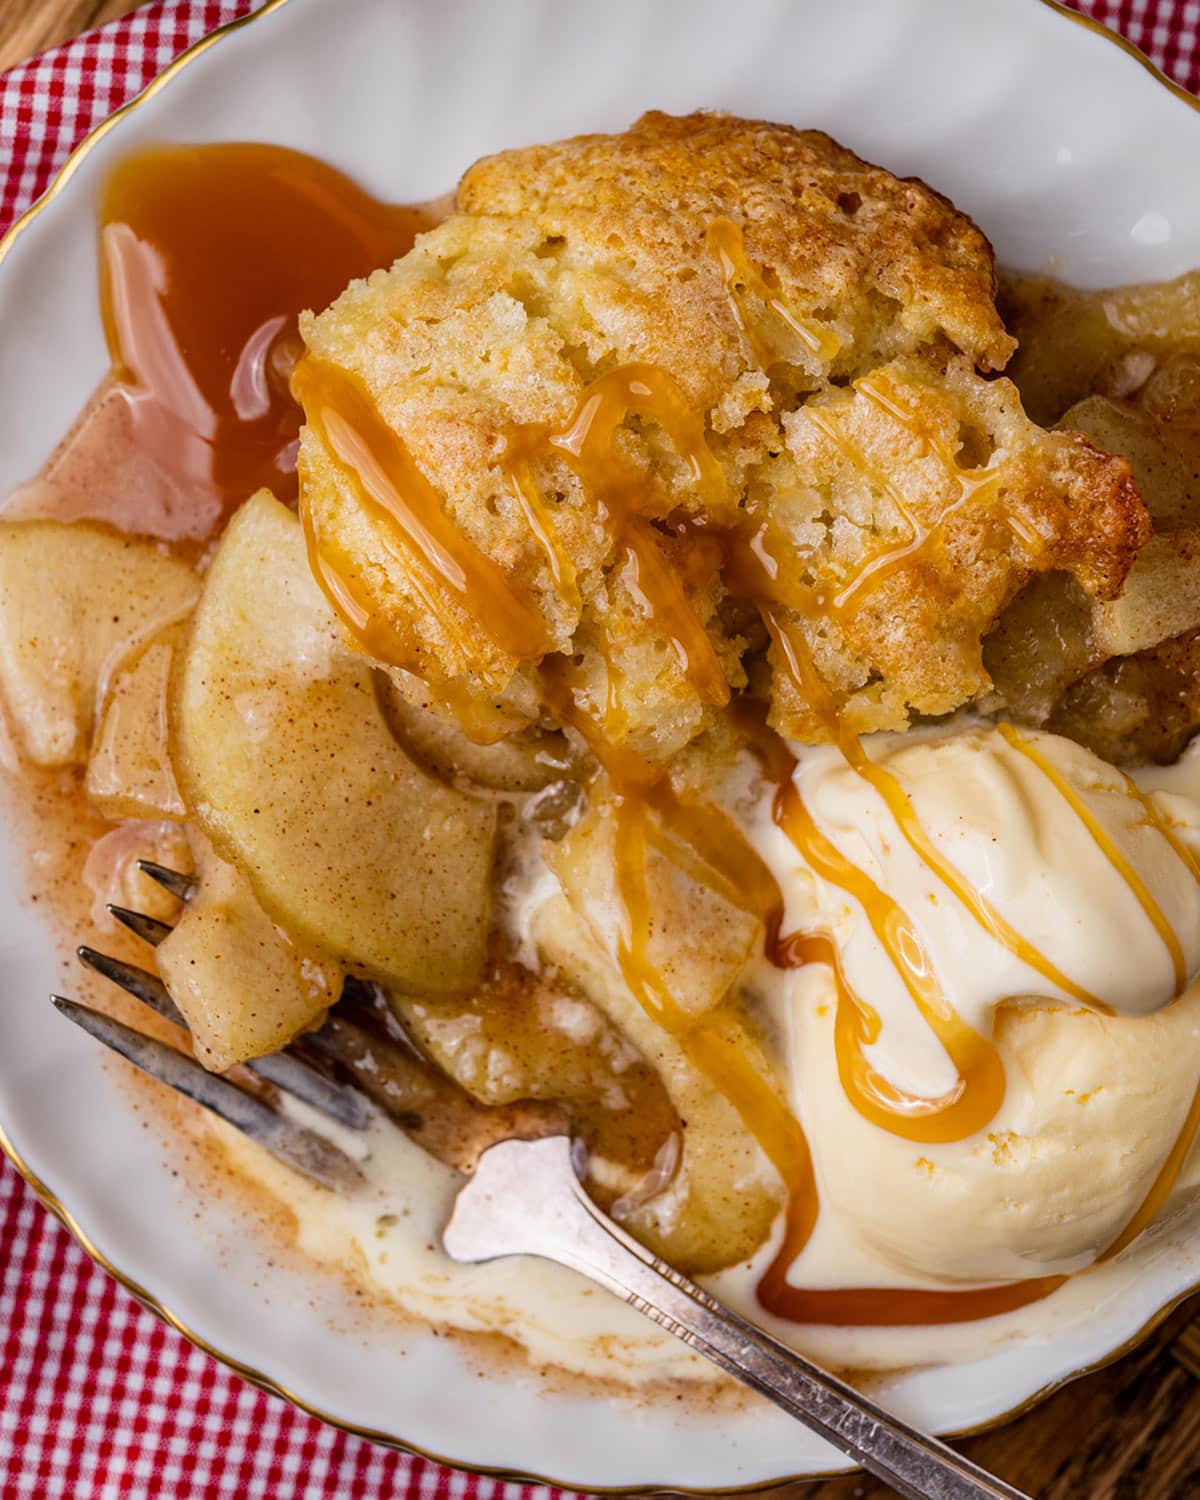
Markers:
{"x": 1071, "y": 156}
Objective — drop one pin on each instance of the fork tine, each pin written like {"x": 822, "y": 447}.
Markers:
{"x": 149, "y": 929}
{"x": 142, "y": 985}
{"x": 286, "y": 1072}
{"x": 294, "y": 1075}
{"x": 183, "y": 886}
{"x": 300, "y": 1148}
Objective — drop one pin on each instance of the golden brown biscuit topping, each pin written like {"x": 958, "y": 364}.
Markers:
{"x": 663, "y": 395}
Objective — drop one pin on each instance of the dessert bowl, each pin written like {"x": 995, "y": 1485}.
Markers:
{"x": 922, "y": 88}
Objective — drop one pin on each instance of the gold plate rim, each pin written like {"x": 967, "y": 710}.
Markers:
{"x": 258, "y": 1378}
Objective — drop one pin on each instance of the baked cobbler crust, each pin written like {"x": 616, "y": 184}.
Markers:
{"x": 775, "y": 281}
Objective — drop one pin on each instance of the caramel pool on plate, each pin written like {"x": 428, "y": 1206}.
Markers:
{"x": 208, "y": 254}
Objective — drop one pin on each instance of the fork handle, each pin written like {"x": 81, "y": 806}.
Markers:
{"x": 526, "y": 1199}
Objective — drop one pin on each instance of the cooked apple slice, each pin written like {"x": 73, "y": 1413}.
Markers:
{"x": 723, "y": 1198}
{"x": 1053, "y": 633}
{"x": 699, "y": 940}
{"x": 1173, "y": 391}
{"x": 522, "y": 1036}
{"x": 1074, "y": 343}
{"x": 1164, "y": 455}
{"x": 1136, "y": 709}
{"x": 282, "y": 752}
{"x": 110, "y": 871}
{"x": 129, "y": 772}
{"x": 1043, "y": 642}
{"x": 244, "y": 986}
{"x": 1161, "y": 596}
{"x": 524, "y": 762}
{"x": 74, "y": 601}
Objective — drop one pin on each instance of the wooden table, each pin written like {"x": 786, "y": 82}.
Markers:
{"x": 29, "y": 26}
{"x": 1130, "y": 1432}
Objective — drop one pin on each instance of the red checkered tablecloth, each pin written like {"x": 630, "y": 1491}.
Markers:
{"x": 98, "y": 1399}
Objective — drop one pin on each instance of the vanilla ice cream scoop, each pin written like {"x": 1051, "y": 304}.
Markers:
{"x": 1093, "y": 1106}
{"x": 1069, "y": 870}
{"x": 1060, "y": 843}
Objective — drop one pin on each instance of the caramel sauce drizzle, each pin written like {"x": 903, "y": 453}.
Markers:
{"x": 751, "y": 568}
{"x": 979, "y": 1091}
{"x": 1105, "y": 843}
{"x": 445, "y": 565}
{"x": 901, "y": 808}
{"x": 587, "y": 443}
{"x": 891, "y": 1307}
{"x": 877, "y": 389}
{"x": 1160, "y": 1190}
{"x": 537, "y": 517}
{"x": 709, "y": 847}
{"x": 808, "y": 682}
{"x": 971, "y": 482}
{"x": 338, "y": 584}
{"x": 716, "y": 1055}
{"x": 1159, "y": 820}
{"x": 776, "y": 333}
{"x": 442, "y": 562}
{"x": 889, "y": 559}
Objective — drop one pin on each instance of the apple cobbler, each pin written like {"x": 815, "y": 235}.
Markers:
{"x": 686, "y": 680}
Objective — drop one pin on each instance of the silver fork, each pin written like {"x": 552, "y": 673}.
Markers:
{"x": 523, "y": 1196}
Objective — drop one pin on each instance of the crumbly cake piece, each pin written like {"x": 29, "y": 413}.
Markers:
{"x": 889, "y": 263}
{"x": 763, "y": 274}
{"x": 943, "y": 499}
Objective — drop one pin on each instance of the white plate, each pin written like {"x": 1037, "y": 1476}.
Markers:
{"x": 1065, "y": 150}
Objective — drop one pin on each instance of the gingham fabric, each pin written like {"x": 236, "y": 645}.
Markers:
{"x": 98, "y": 1399}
